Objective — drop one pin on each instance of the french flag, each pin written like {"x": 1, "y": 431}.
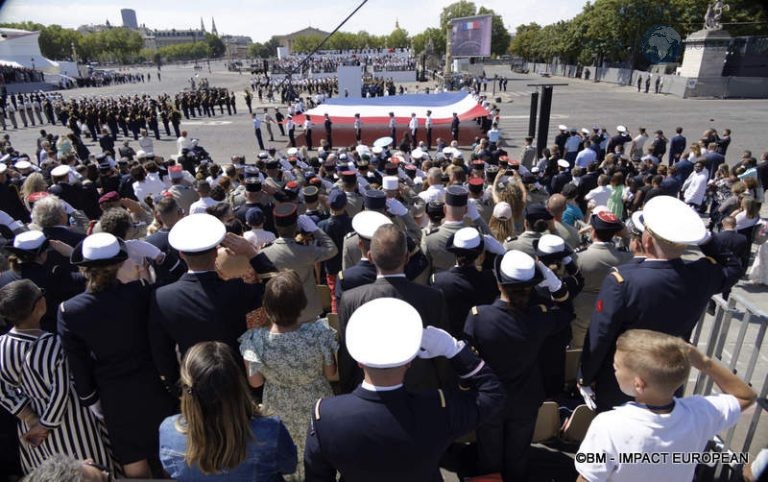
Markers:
{"x": 474, "y": 25}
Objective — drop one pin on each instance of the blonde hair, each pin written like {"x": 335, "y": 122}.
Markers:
{"x": 513, "y": 195}
{"x": 501, "y": 229}
{"x": 658, "y": 358}
{"x": 216, "y": 408}
{"x": 35, "y": 182}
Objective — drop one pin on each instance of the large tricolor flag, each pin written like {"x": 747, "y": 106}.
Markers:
{"x": 376, "y": 110}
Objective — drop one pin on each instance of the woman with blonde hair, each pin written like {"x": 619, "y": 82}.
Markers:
{"x": 35, "y": 182}
{"x": 501, "y": 223}
{"x": 220, "y": 434}
{"x": 694, "y": 152}
{"x": 514, "y": 193}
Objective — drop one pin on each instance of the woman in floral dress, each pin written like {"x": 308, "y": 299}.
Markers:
{"x": 292, "y": 360}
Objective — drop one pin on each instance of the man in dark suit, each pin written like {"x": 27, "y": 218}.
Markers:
{"x": 733, "y": 241}
{"x": 676, "y": 146}
{"x": 381, "y": 432}
{"x": 10, "y": 202}
{"x": 168, "y": 212}
{"x": 455, "y": 127}
{"x": 389, "y": 253}
{"x": 201, "y": 306}
{"x": 713, "y": 159}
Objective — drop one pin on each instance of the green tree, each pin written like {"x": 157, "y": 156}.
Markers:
{"x": 306, "y": 43}
{"x": 421, "y": 41}
{"x": 462, "y": 8}
{"x": 398, "y": 39}
{"x": 500, "y": 37}
{"x": 216, "y": 45}
{"x": 523, "y": 42}
{"x": 56, "y": 42}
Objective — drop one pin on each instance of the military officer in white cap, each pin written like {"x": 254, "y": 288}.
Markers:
{"x": 364, "y": 223}
{"x": 618, "y": 140}
{"x": 660, "y": 292}
{"x": 380, "y": 432}
{"x": 201, "y": 306}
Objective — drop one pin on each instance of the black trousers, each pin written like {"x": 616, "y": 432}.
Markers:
{"x": 358, "y": 134}
{"x": 503, "y": 446}
{"x": 429, "y": 138}
{"x": 258, "y": 138}
{"x": 308, "y": 138}
{"x": 291, "y": 137}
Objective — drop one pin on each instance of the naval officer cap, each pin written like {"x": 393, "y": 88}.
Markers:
{"x": 28, "y": 243}
{"x": 636, "y": 223}
{"x": 60, "y": 171}
{"x": 197, "y": 233}
{"x": 551, "y": 249}
{"x": 456, "y": 196}
{"x": 417, "y": 154}
{"x": 374, "y": 199}
{"x": 672, "y": 220}
{"x": 384, "y": 333}
{"x": 621, "y": 129}
{"x": 365, "y": 223}
{"x": 516, "y": 268}
{"x": 100, "y": 249}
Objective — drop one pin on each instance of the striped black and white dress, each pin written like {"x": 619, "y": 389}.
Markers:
{"x": 34, "y": 372}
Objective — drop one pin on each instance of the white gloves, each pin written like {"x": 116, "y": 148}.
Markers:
{"x": 567, "y": 260}
{"x": 589, "y": 397}
{"x": 551, "y": 281}
{"x": 492, "y": 245}
{"x": 7, "y": 220}
{"x": 306, "y": 224}
{"x": 138, "y": 250}
{"x": 96, "y": 410}
{"x": 436, "y": 342}
{"x": 472, "y": 211}
{"x": 396, "y": 208}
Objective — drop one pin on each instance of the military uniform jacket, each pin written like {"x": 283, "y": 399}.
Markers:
{"x": 523, "y": 242}
{"x": 668, "y": 296}
{"x": 363, "y": 273}
{"x": 464, "y": 287}
{"x": 385, "y": 436}
{"x": 510, "y": 343}
{"x": 337, "y": 227}
{"x": 200, "y": 307}
{"x": 354, "y": 203}
{"x": 595, "y": 263}
{"x": 434, "y": 242}
{"x": 429, "y": 302}
{"x": 288, "y": 254}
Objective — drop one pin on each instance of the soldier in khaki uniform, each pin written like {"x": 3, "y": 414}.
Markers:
{"x": 354, "y": 198}
{"x": 287, "y": 253}
{"x": 595, "y": 262}
{"x": 457, "y": 206}
{"x": 538, "y": 221}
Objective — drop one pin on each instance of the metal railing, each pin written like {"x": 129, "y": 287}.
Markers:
{"x": 714, "y": 336}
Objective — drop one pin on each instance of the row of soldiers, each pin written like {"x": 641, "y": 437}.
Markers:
{"x": 203, "y": 102}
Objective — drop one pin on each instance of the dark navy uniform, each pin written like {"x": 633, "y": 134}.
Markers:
{"x": 363, "y": 273}
{"x": 201, "y": 307}
{"x": 463, "y": 288}
{"x": 385, "y": 436}
{"x": 668, "y": 296}
{"x": 510, "y": 342}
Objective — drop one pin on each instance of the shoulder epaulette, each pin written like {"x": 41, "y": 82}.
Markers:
{"x": 442, "y": 398}
{"x": 581, "y": 249}
{"x": 340, "y": 275}
{"x": 475, "y": 311}
{"x": 349, "y": 234}
{"x": 510, "y": 239}
{"x": 433, "y": 231}
{"x": 432, "y": 279}
{"x": 317, "y": 408}
{"x": 711, "y": 259}
{"x": 615, "y": 273}
{"x": 543, "y": 308}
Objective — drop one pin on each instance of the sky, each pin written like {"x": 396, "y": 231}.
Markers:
{"x": 261, "y": 19}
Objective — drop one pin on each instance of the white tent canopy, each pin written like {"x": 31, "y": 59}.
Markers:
{"x": 20, "y": 48}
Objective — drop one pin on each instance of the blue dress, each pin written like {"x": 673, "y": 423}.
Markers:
{"x": 270, "y": 453}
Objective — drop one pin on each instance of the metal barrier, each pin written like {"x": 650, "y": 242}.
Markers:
{"x": 742, "y": 359}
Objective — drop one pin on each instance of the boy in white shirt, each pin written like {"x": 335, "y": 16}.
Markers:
{"x": 650, "y": 366}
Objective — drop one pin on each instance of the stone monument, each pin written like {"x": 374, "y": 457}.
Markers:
{"x": 706, "y": 49}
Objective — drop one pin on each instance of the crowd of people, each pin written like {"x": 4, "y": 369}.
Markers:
{"x": 149, "y": 302}
{"x": 105, "y": 78}
{"x": 330, "y": 61}
{"x": 12, "y": 75}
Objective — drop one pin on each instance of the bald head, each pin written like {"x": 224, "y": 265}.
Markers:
{"x": 556, "y": 205}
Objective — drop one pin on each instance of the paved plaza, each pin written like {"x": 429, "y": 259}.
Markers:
{"x": 578, "y": 104}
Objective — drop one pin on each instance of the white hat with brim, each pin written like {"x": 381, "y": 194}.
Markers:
{"x": 672, "y": 220}
{"x": 21, "y": 165}
{"x": 292, "y": 151}
{"x": 383, "y": 142}
{"x": 99, "y": 249}
{"x": 417, "y": 154}
{"x": 197, "y": 233}
{"x": 384, "y": 333}
{"x": 377, "y": 149}
{"x": 60, "y": 171}
{"x": 563, "y": 163}
{"x": 28, "y": 243}
{"x": 621, "y": 129}
{"x": 365, "y": 223}
{"x": 562, "y": 127}
{"x": 390, "y": 183}
{"x": 516, "y": 268}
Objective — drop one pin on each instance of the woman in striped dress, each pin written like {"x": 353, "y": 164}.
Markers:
{"x": 35, "y": 386}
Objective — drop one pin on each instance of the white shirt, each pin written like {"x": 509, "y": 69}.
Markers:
{"x": 572, "y": 144}
{"x": 307, "y": 124}
{"x": 433, "y": 193}
{"x": 259, "y": 237}
{"x": 695, "y": 187}
{"x": 149, "y": 187}
{"x": 413, "y": 124}
{"x": 743, "y": 222}
{"x": 183, "y": 143}
{"x": 428, "y": 122}
{"x": 494, "y": 135}
{"x": 600, "y": 195}
{"x": 146, "y": 145}
{"x": 201, "y": 205}
{"x": 631, "y": 428}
